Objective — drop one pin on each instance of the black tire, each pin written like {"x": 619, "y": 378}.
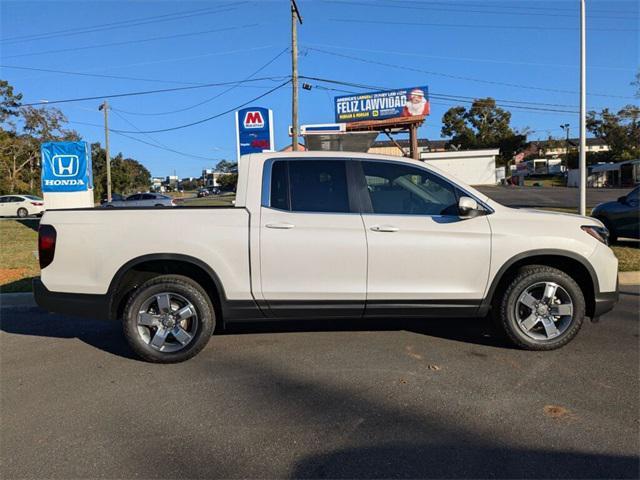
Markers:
{"x": 506, "y": 307}
{"x": 158, "y": 205}
{"x": 189, "y": 290}
{"x": 23, "y": 213}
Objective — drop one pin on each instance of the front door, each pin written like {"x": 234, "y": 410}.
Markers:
{"x": 423, "y": 258}
{"x": 313, "y": 251}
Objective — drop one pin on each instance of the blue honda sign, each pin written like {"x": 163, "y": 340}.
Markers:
{"x": 66, "y": 167}
{"x": 254, "y": 130}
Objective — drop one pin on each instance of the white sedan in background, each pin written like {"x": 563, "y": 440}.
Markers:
{"x": 21, "y": 206}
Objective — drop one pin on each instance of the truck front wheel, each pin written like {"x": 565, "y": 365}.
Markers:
{"x": 542, "y": 309}
{"x": 168, "y": 319}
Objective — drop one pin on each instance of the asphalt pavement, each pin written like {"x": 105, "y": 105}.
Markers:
{"x": 334, "y": 399}
{"x": 550, "y": 197}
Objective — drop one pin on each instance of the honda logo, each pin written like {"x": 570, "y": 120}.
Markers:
{"x": 65, "y": 165}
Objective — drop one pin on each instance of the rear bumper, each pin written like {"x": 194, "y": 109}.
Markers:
{"x": 77, "y": 304}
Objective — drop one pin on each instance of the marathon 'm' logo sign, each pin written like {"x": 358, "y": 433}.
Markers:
{"x": 253, "y": 119}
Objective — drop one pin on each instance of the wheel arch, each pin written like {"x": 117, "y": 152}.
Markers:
{"x": 140, "y": 269}
{"x": 573, "y": 264}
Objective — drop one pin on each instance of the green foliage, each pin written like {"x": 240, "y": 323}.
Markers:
{"x": 621, "y": 131}
{"x": 127, "y": 175}
{"x": 225, "y": 166}
{"x": 228, "y": 182}
{"x": 483, "y": 125}
{"x": 20, "y": 149}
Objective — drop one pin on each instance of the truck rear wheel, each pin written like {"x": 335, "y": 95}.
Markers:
{"x": 543, "y": 308}
{"x": 169, "y": 319}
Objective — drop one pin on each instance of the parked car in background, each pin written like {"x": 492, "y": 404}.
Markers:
{"x": 21, "y": 206}
{"x": 143, "y": 200}
{"x": 115, "y": 197}
{"x": 203, "y": 192}
{"x": 214, "y": 190}
{"x": 622, "y": 217}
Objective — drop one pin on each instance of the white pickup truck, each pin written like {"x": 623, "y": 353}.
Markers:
{"x": 326, "y": 235}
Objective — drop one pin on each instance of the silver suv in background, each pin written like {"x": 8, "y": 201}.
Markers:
{"x": 143, "y": 200}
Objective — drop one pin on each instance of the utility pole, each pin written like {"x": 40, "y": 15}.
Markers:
{"x": 565, "y": 127}
{"x": 295, "y": 17}
{"x": 105, "y": 107}
{"x": 583, "y": 110}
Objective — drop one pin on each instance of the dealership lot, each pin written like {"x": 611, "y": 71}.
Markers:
{"x": 368, "y": 399}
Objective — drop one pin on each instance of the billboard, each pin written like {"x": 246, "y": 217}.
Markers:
{"x": 254, "y": 130}
{"x": 66, "y": 167}
{"x": 404, "y": 102}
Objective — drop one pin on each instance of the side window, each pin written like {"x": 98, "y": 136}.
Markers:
{"x": 280, "y": 185}
{"x": 133, "y": 198}
{"x": 398, "y": 189}
{"x": 318, "y": 186}
{"x": 148, "y": 196}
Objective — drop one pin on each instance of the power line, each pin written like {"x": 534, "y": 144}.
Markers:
{"x": 158, "y": 144}
{"x": 457, "y": 77}
{"x": 475, "y": 25}
{"x": 120, "y": 24}
{"x": 215, "y": 96}
{"x": 150, "y": 92}
{"x": 460, "y": 59}
{"x": 128, "y": 42}
{"x": 537, "y": 106}
{"x": 465, "y": 10}
{"x": 76, "y": 122}
{"x": 121, "y": 77}
{"x": 178, "y": 127}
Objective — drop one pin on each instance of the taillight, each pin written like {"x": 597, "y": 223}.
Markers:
{"x": 46, "y": 244}
{"x": 37, "y": 204}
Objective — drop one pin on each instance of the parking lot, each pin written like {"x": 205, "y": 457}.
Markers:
{"x": 393, "y": 399}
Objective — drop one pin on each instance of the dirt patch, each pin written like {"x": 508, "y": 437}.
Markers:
{"x": 555, "y": 411}
{"x": 8, "y": 275}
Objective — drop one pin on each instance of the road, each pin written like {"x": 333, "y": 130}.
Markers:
{"x": 559, "y": 197}
{"x": 395, "y": 399}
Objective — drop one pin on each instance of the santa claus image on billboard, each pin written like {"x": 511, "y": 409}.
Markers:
{"x": 416, "y": 104}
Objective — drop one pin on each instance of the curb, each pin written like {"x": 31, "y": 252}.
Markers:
{"x": 629, "y": 278}
{"x": 11, "y": 300}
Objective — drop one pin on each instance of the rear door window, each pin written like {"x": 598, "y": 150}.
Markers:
{"x": 309, "y": 186}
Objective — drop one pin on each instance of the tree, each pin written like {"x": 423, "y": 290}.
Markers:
{"x": 620, "y": 131}
{"x": 225, "y": 166}
{"x": 636, "y": 83}
{"x": 228, "y": 182}
{"x": 483, "y": 125}
{"x": 127, "y": 175}
{"x": 9, "y": 102}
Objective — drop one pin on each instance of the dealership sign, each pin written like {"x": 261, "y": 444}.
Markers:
{"x": 254, "y": 130}
{"x": 66, "y": 167}
{"x": 405, "y": 102}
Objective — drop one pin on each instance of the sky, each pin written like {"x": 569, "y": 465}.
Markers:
{"x": 523, "y": 53}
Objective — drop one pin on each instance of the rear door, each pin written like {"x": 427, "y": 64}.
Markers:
{"x": 422, "y": 256}
{"x": 313, "y": 252}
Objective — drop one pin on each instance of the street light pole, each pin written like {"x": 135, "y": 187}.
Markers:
{"x": 295, "y": 17}
{"x": 583, "y": 111}
{"x": 105, "y": 108}
{"x": 565, "y": 127}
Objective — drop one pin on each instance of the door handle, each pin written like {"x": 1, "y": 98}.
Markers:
{"x": 280, "y": 226}
{"x": 384, "y": 228}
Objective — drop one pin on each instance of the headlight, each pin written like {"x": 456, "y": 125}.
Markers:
{"x": 599, "y": 233}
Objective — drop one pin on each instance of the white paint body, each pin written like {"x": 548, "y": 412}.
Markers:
{"x": 326, "y": 256}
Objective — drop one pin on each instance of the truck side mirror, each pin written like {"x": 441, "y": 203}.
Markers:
{"x": 468, "y": 207}
{"x": 622, "y": 199}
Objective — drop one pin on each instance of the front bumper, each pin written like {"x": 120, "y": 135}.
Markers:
{"x": 77, "y": 304}
{"x": 604, "y": 302}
